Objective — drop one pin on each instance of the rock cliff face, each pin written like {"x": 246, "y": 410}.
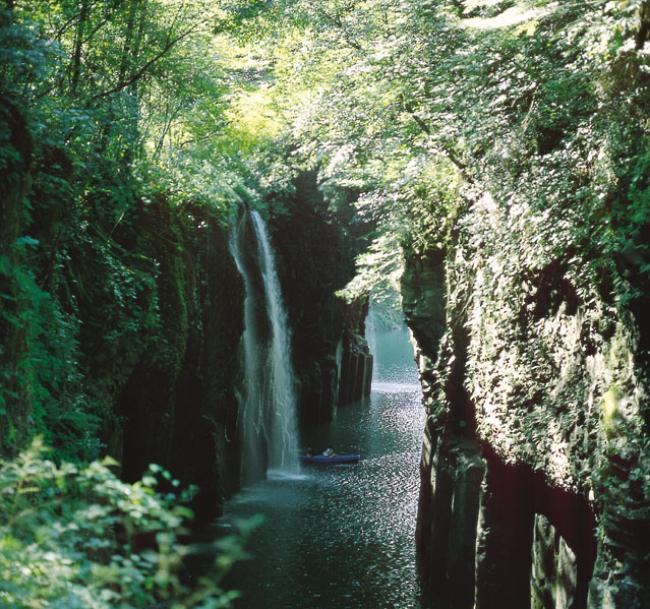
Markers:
{"x": 178, "y": 407}
{"x": 120, "y": 343}
{"x": 535, "y": 459}
{"x": 123, "y": 338}
{"x": 354, "y": 360}
{"x": 316, "y": 257}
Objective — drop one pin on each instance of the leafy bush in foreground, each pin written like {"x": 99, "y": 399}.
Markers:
{"x": 77, "y": 537}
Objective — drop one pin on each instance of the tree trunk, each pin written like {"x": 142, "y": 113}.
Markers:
{"x": 644, "y": 26}
{"x": 128, "y": 41}
{"x": 78, "y": 45}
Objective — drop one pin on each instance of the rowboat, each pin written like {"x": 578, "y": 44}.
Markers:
{"x": 331, "y": 459}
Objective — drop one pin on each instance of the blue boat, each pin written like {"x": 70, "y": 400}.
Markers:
{"x": 331, "y": 459}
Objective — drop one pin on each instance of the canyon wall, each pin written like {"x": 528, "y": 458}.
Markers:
{"x": 534, "y": 468}
{"x": 178, "y": 407}
{"x": 122, "y": 335}
{"x": 116, "y": 336}
{"x": 316, "y": 250}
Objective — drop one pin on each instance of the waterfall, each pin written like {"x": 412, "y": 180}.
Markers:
{"x": 284, "y": 432}
{"x": 267, "y": 421}
{"x": 251, "y": 414}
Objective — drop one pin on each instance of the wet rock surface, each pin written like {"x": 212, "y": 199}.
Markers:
{"x": 179, "y": 408}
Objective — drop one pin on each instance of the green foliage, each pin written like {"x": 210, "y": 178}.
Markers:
{"x": 520, "y": 125}
{"x": 74, "y": 536}
{"x": 112, "y": 113}
{"x": 509, "y": 140}
{"x": 46, "y": 373}
{"x": 419, "y": 104}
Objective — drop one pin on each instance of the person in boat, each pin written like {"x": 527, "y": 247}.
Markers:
{"x": 329, "y": 452}
{"x": 310, "y": 452}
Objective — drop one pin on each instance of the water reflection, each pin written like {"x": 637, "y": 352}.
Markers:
{"x": 391, "y": 346}
{"x": 343, "y": 536}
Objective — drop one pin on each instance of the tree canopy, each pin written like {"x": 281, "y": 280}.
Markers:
{"x": 415, "y": 107}
{"x": 410, "y": 102}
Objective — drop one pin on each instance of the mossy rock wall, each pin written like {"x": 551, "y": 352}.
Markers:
{"x": 178, "y": 407}
{"x": 538, "y": 415}
{"x": 118, "y": 338}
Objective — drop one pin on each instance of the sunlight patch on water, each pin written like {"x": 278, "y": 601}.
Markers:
{"x": 342, "y": 536}
{"x": 384, "y": 387}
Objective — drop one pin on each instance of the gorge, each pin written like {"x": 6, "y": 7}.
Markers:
{"x": 234, "y": 231}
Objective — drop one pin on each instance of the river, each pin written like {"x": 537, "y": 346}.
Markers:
{"x": 342, "y": 537}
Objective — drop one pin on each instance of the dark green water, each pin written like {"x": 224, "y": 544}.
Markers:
{"x": 342, "y": 537}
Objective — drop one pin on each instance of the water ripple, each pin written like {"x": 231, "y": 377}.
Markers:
{"x": 387, "y": 387}
{"x": 340, "y": 537}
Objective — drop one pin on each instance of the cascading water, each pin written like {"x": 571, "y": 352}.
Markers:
{"x": 267, "y": 422}
{"x": 284, "y": 432}
{"x": 251, "y": 415}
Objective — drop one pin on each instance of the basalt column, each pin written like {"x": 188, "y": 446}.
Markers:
{"x": 177, "y": 407}
{"x": 535, "y": 442}
{"x": 356, "y": 362}
{"x": 505, "y": 538}
{"x": 451, "y": 469}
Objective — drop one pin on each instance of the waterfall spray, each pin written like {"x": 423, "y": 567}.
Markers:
{"x": 267, "y": 420}
{"x": 284, "y": 445}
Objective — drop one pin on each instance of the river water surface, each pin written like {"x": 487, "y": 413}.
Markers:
{"x": 342, "y": 537}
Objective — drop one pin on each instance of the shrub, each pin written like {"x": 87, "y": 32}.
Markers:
{"x": 77, "y": 537}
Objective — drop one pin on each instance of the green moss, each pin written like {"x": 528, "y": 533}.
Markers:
{"x": 610, "y": 408}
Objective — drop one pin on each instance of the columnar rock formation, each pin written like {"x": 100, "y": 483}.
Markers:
{"x": 143, "y": 330}
{"x": 354, "y": 360}
{"x": 316, "y": 249}
{"x": 178, "y": 405}
{"x": 535, "y": 454}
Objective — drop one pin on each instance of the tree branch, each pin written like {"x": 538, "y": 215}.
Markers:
{"x": 336, "y": 21}
{"x": 448, "y": 152}
{"x": 644, "y": 26}
{"x": 140, "y": 72}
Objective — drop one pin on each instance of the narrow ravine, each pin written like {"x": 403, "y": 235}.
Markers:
{"x": 342, "y": 536}
{"x": 201, "y": 201}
